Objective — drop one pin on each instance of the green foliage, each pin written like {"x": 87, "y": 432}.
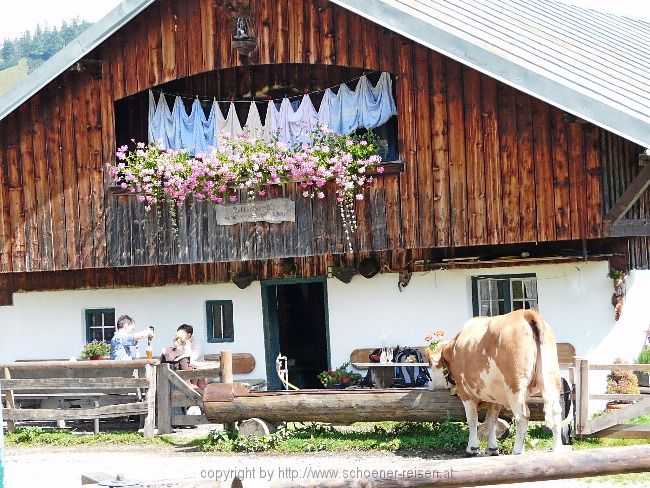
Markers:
{"x": 95, "y": 349}
{"x": 339, "y": 376}
{"x": 644, "y": 356}
{"x": 42, "y": 45}
{"x": 37, "y": 436}
{"x": 616, "y": 274}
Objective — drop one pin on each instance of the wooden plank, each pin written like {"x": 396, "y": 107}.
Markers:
{"x": 527, "y": 190}
{"x": 16, "y": 205}
{"x": 582, "y": 403}
{"x": 616, "y": 417}
{"x": 476, "y": 184}
{"x": 594, "y": 189}
{"x": 154, "y": 43}
{"x": 168, "y": 24}
{"x": 181, "y": 39}
{"x": 342, "y": 47}
{"x": 312, "y": 28}
{"x": 78, "y": 365}
{"x": 96, "y": 168}
{"x": 163, "y": 400}
{"x": 560, "y": 176}
{"x": 327, "y": 35}
{"x": 297, "y": 47}
{"x": 44, "y": 213}
{"x": 150, "y": 400}
{"x": 543, "y": 161}
{"x": 141, "y": 40}
{"x": 631, "y": 194}
{"x": 618, "y": 396}
{"x": 625, "y": 367}
{"x": 203, "y": 373}
{"x": 281, "y": 26}
{"x": 130, "y": 58}
{"x": 10, "y": 402}
{"x": 457, "y": 161}
{"x": 408, "y": 181}
{"x": 110, "y": 411}
{"x": 630, "y": 228}
{"x": 491, "y": 154}
{"x": 32, "y": 255}
{"x": 509, "y": 164}
{"x": 208, "y": 28}
{"x": 108, "y": 383}
{"x": 69, "y": 166}
{"x": 184, "y": 387}
{"x": 625, "y": 431}
{"x": 439, "y": 135}
{"x": 577, "y": 197}
{"x": 194, "y": 37}
{"x": 424, "y": 150}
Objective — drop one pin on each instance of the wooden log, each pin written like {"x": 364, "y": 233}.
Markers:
{"x": 625, "y": 431}
{"x": 342, "y": 406}
{"x": 582, "y": 401}
{"x": 226, "y": 367}
{"x": 136, "y": 408}
{"x": 242, "y": 362}
{"x": 534, "y": 466}
{"x": 74, "y": 383}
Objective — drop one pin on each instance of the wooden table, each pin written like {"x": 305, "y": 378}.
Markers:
{"x": 383, "y": 374}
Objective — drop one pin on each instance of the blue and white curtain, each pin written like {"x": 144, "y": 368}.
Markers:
{"x": 343, "y": 112}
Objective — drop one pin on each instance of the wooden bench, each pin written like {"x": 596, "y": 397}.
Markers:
{"x": 104, "y": 389}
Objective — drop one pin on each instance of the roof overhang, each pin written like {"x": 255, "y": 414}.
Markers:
{"x": 70, "y": 54}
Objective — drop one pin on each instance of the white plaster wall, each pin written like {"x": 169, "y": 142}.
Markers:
{"x": 42, "y": 325}
{"x": 574, "y": 299}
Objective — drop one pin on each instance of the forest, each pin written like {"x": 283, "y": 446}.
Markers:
{"x": 40, "y": 45}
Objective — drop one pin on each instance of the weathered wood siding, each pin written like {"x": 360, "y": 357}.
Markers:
{"x": 485, "y": 164}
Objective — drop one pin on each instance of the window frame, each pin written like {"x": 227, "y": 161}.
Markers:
{"x": 209, "y": 304}
{"x": 88, "y": 313}
{"x": 505, "y": 282}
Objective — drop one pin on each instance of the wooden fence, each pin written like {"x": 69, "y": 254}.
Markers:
{"x": 102, "y": 389}
{"x": 610, "y": 424}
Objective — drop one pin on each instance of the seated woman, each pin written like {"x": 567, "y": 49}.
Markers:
{"x": 176, "y": 355}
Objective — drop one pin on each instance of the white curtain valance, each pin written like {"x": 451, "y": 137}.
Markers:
{"x": 343, "y": 112}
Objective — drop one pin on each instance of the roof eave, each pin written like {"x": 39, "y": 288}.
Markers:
{"x": 528, "y": 81}
{"x": 70, "y": 54}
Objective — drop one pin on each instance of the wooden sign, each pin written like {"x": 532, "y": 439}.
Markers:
{"x": 274, "y": 211}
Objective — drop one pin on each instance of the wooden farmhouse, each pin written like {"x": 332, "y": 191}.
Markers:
{"x": 515, "y": 175}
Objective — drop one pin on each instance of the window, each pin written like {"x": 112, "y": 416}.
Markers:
{"x": 499, "y": 294}
{"x": 220, "y": 324}
{"x": 100, "y": 324}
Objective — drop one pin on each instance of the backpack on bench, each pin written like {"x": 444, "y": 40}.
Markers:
{"x": 411, "y": 376}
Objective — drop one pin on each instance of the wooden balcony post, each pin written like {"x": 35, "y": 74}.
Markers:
{"x": 164, "y": 400}
{"x": 10, "y": 402}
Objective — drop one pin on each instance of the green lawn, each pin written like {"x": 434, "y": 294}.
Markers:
{"x": 11, "y": 76}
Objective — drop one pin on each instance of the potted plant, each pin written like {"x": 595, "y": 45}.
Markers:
{"x": 643, "y": 377}
{"x": 95, "y": 350}
{"x": 621, "y": 381}
{"x": 433, "y": 339}
{"x": 339, "y": 377}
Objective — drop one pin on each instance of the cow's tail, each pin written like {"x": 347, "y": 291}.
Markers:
{"x": 547, "y": 374}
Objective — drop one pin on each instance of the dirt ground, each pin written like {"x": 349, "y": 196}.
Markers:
{"x": 59, "y": 467}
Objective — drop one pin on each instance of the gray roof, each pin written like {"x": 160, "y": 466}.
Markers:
{"x": 70, "y": 54}
{"x": 592, "y": 64}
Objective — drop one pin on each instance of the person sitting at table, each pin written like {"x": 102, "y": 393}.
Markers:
{"x": 124, "y": 340}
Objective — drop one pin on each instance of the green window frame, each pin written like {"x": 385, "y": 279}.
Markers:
{"x": 499, "y": 294}
{"x": 100, "y": 324}
{"x": 220, "y": 321}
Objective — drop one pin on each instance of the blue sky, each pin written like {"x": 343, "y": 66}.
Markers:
{"x": 22, "y": 15}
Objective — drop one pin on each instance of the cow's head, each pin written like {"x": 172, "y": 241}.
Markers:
{"x": 440, "y": 377}
{"x": 444, "y": 360}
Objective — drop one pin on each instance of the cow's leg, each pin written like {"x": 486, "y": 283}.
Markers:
{"x": 521, "y": 414}
{"x": 491, "y": 421}
{"x": 471, "y": 413}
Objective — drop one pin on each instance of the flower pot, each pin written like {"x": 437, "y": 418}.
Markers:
{"x": 96, "y": 358}
{"x": 615, "y": 405}
{"x": 337, "y": 386}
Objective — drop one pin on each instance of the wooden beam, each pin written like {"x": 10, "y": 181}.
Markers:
{"x": 629, "y": 196}
{"x": 630, "y": 228}
{"x": 616, "y": 417}
{"x": 73, "y": 383}
{"x": 626, "y": 431}
{"x": 136, "y": 408}
{"x": 534, "y": 466}
{"x": 163, "y": 400}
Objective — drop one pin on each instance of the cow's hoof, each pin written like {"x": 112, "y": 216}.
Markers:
{"x": 472, "y": 452}
{"x": 493, "y": 451}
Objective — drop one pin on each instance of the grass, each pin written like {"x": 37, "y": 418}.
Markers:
{"x": 37, "y": 436}
{"x": 11, "y": 76}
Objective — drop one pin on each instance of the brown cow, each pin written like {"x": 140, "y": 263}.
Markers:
{"x": 502, "y": 361}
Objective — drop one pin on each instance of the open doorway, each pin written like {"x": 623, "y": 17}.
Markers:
{"x": 295, "y": 325}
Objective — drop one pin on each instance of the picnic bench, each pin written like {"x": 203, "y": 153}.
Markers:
{"x": 98, "y": 390}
